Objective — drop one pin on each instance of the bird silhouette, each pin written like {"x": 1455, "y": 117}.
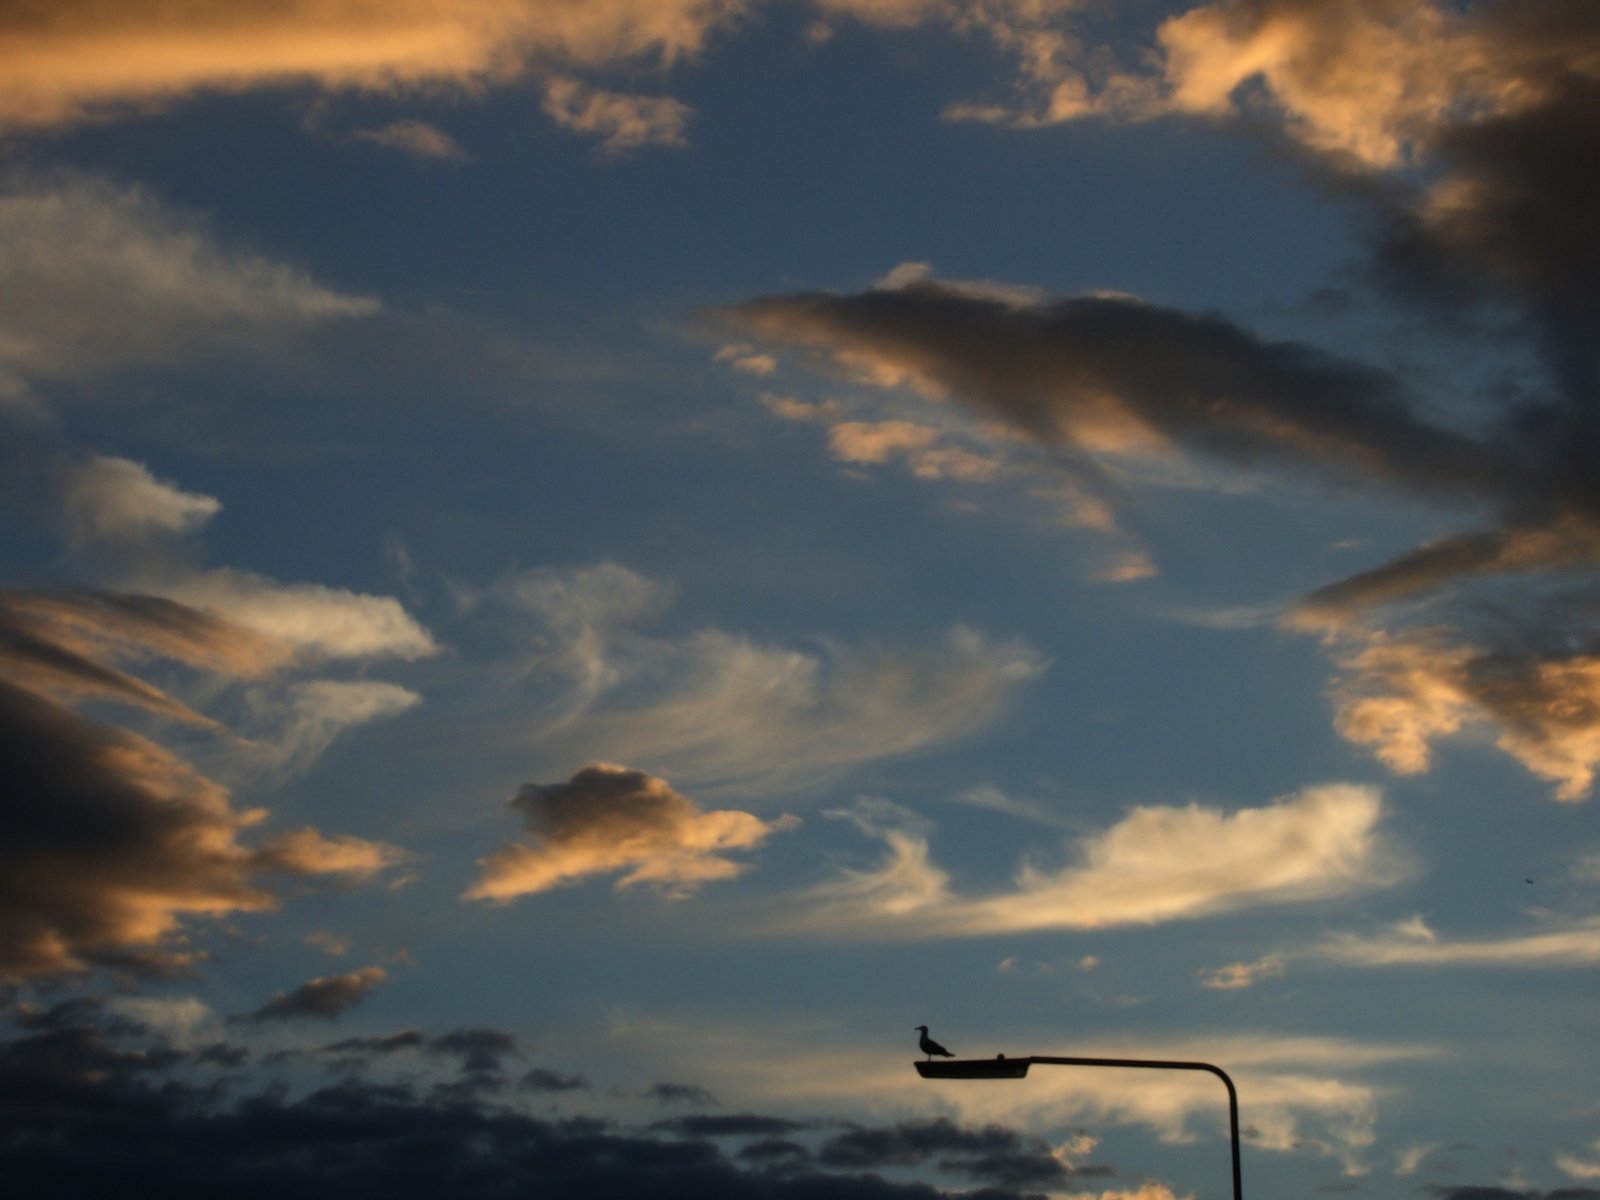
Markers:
{"x": 928, "y": 1046}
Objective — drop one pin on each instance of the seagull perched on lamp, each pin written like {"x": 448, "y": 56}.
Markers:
{"x": 928, "y": 1046}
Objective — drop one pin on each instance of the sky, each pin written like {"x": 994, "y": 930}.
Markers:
{"x": 572, "y": 570}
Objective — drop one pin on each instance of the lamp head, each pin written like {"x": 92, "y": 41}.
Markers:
{"x": 998, "y": 1067}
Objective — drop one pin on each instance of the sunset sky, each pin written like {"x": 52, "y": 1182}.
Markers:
{"x": 573, "y": 569}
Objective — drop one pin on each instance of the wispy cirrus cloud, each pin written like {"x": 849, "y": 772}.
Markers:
{"x": 1412, "y": 943}
{"x": 105, "y": 277}
{"x": 721, "y": 710}
{"x": 420, "y": 139}
{"x": 1319, "y": 843}
{"x": 116, "y": 499}
{"x": 117, "y": 508}
{"x": 1239, "y": 975}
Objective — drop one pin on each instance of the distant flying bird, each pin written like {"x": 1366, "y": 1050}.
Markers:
{"x": 928, "y": 1046}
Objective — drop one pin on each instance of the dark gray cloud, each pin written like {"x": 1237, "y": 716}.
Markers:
{"x": 679, "y": 1093}
{"x": 406, "y": 1039}
{"x": 775, "y": 1153}
{"x": 85, "y": 1116}
{"x": 727, "y": 1125}
{"x": 108, "y": 841}
{"x": 1092, "y": 373}
{"x": 542, "y": 1079}
{"x": 478, "y": 1050}
{"x": 325, "y": 998}
{"x": 990, "y": 1152}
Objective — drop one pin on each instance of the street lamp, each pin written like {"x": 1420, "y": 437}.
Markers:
{"x": 1001, "y": 1067}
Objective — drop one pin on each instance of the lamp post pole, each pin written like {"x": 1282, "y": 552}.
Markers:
{"x": 1002, "y": 1067}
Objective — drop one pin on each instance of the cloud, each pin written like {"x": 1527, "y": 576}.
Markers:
{"x": 1410, "y": 1158}
{"x": 1106, "y": 375}
{"x": 103, "y": 278}
{"x": 624, "y": 122}
{"x": 1321, "y": 842}
{"x": 478, "y": 1050}
{"x": 307, "y": 851}
{"x": 1242, "y": 974}
{"x": 325, "y": 998}
{"x": 608, "y": 819}
{"x": 1580, "y": 1168}
{"x": 1412, "y": 944}
{"x": 1401, "y": 693}
{"x": 1055, "y": 74}
{"x": 83, "y": 59}
{"x": 990, "y": 1152}
{"x": 1112, "y": 382}
{"x": 108, "y": 840}
{"x": 416, "y": 138}
{"x": 720, "y": 710}
{"x": 317, "y": 621}
{"x": 67, "y": 644}
{"x": 921, "y": 447}
{"x": 113, "y": 499}
{"x": 743, "y": 357}
{"x": 122, "y": 1106}
{"x": 232, "y": 623}
{"x": 118, "y": 505}
{"x": 541, "y": 1079}
{"x": 1306, "y": 1094}
{"x": 292, "y": 725}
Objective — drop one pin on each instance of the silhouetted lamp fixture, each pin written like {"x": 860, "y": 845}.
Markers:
{"x": 1001, "y": 1067}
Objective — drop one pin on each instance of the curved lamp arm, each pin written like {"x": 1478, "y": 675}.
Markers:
{"x": 1001, "y": 1067}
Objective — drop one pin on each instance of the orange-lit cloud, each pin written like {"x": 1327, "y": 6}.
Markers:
{"x": 1116, "y": 384}
{"x": 609, "y": 819}
{"x": 308, "y": 851}
{"x": 1144, "y": 870}
{"x": 623, "y": 122}
{"x": 68, "y": 646}
{"x": 1402, "y": 693}
{"x": 81, "y": 59}
{"x": 1567, "y": 541}
{"x": 109, "y": 841}
{"x": 1112, "y": 376}
{"x": 1242, "y": 974}
{"x": 922, "y": 448}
